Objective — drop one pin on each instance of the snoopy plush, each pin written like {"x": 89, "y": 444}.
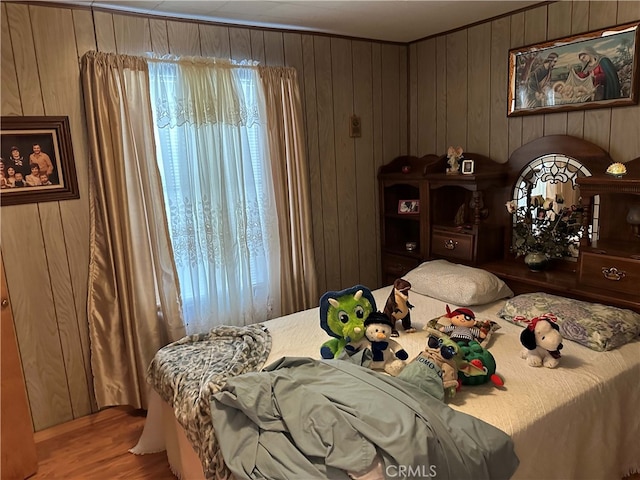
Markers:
{"x": 542, "y": 341}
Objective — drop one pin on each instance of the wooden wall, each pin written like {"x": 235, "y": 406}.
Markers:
{"x": 458, "y": 85}
{"x": 45, "y": 246}
{"x": 415, "y": 99}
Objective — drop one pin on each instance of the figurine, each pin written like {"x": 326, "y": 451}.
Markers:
{"x": 454, "y": 156}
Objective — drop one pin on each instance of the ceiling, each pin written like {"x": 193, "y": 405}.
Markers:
{"x": 395, "y": 21}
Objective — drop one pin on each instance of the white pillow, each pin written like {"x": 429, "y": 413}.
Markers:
{"x": 457, "y": 284}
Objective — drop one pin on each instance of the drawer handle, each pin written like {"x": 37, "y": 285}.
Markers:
{"x": 612, "y": 273}
{"x": 450, "y": 244}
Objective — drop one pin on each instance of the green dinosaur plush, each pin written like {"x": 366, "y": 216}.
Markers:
{"x": 342, "y": 316}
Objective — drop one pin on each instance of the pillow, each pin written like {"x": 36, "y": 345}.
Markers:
{"x": 457, "y": 284}
{"x": 487, "y": 326}
{"x": 599, "y": 327}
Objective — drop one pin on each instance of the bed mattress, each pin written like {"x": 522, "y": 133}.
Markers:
{"x": 578, "y": 420}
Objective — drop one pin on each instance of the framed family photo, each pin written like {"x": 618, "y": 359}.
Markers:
{"x": 37, "y": 162}
{"x": 598, "y": 69}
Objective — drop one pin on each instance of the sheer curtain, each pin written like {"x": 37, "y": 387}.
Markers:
{"x": 216, "y": 174}
{"x": 133, "y": 300}
{"x": 298, "y": 285}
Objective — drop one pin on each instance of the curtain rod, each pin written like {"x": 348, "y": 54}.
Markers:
{"x": 153, "y": 57}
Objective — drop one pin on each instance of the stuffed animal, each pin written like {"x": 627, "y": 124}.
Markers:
{"x": 398, "y": 306}
{"x": 542, "y": 341}
{"x": 436, "y": 364}
{"x": 342, "y": 316}
{"x": 462, "y": 328}
{"x": 387, "y": 354}
{"x": 483, "y": 362}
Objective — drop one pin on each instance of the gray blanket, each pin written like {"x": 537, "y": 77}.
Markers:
{"x": 303, "y": 419}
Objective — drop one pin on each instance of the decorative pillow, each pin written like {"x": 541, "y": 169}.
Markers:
{"x": 599, "y": 327}
{"x": 460, "y": 285}
{"x": 487, "y": 326}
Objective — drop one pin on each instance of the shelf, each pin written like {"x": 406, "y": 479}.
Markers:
{"x": 404, "y": 216}
{"x": 616, "y": 247}
{"x": 462, "y": 229}
{"x": 415, "y": 255}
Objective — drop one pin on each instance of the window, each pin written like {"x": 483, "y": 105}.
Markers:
{"x": 214, "y": 164}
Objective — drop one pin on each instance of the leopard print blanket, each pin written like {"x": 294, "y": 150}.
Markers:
{"x": 188, "y": 372}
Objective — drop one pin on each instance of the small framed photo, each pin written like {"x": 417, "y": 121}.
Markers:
{"x": 467, "y": 167}
{"x": 408, "y": 206}
{"x": 36, "y": 160}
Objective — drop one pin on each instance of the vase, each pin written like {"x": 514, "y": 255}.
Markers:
{"x": 536, "y": 261}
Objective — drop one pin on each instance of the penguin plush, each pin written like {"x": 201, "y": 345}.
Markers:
{"x": 398, "y": 306}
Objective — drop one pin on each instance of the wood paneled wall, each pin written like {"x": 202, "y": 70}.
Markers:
{"x": 45, "y": 246}
{"x": 458, "y": 85}
{"x": 417, "y": 99}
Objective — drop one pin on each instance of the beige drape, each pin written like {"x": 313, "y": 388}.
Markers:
{"x": 133, "y": 301}
{"x": 293, "y": 200}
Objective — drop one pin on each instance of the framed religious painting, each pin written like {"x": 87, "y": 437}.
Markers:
{"x": 36, "y": 163}
{"x": 598, "y": 69}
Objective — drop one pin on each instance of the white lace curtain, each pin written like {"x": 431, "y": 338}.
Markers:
{"x": 214, "y": 160}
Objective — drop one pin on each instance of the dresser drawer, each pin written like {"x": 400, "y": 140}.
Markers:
{"x": 452, "y": 245}
{"x": 610, "y": 273}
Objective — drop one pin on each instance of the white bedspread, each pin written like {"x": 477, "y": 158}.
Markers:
{"x": 578, "y": 421}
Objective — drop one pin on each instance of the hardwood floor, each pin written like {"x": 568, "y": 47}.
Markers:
{"x": 96, "y": 447}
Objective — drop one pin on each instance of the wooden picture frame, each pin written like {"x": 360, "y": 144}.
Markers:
{"x": 597, "y": 69}
{"x": 408, "y": 207}
{"x": 43, "y": 141}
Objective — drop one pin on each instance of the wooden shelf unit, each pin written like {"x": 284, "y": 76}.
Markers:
{"x": 478, "y": 235}
{"x": 399, "y": 228}
{"x": 477, "y": 238}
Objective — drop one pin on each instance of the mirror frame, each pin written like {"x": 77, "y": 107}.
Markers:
{"x": 592, "y": 157}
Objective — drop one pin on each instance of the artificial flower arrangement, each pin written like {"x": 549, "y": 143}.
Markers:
{"x": 545, "y": 226}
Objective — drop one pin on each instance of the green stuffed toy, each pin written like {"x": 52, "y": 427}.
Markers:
{"x": 480, "y": 357}
{"x": 342, "y": 316}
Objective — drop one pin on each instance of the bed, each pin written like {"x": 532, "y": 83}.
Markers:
{"x": 578, "y": 420}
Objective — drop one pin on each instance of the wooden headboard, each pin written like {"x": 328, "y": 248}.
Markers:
{"x": 617, "y": 250}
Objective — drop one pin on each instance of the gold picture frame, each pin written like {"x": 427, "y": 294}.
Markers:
{"x": 597, "y": 69}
